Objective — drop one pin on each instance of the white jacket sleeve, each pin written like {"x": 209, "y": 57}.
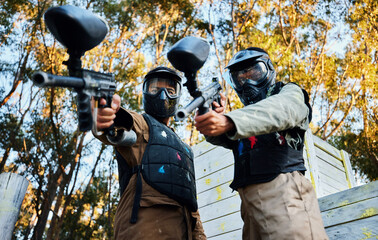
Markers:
{"x": 279, "y": 112}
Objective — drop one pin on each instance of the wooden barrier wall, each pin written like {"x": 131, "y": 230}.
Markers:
{"x": 328, "y": 169}
{"x": 351, "y": 214}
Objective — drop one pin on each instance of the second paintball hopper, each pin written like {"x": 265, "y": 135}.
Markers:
{"x": 188, "y": 55}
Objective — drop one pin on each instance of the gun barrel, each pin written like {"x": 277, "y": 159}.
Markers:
{"x": 208, "y": 94}
{"x": 182, "y": 113}
{"x": 42, "y": 79}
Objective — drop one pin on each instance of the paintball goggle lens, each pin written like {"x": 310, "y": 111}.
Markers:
{"x": 154, "y": 85}
{"x": 254, "y": 74}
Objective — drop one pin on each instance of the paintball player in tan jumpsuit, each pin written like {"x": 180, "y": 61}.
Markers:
{"x": 267, "y": 138}
{"x": 156, "y": 174}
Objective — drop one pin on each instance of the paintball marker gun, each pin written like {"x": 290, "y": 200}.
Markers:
{"x": 79, "y": 30}
{"x": 188, "y": 55}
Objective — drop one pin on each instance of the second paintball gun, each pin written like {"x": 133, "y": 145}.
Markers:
{"x": 188, "y": 55}
{"x": 79, "y": 30}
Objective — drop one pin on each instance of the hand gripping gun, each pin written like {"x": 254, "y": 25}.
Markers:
{"x": 79, "y": 30}
{"x": 188, "y": 55}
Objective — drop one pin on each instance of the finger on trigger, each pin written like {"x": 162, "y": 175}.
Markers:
{"x": 116, "y": 102}
{"x": 216, "y": 104}
{"x": 102, "y": 102}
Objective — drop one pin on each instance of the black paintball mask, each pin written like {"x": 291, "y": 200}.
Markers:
{"x": 251, "y": 73}
{"x": 161, "y": 92}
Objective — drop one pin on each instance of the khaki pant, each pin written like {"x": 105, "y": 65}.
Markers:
{"x": 285, "y": 208}
{"x": 160, "y": 222}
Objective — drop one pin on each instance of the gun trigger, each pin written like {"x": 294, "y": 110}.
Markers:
{"x": 101, "y": 105}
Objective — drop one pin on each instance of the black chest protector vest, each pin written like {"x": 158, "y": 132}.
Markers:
{"x": 167, "y": 165}
{"x": 261, "y": 158}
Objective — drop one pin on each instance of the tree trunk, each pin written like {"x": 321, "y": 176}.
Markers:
{"x": 50, "y": 195}
{"x": 4, "y": 159}
{"x": 18, "y": 78}
{"x": 53, "y": 232}
{"x": 69, "y": 196}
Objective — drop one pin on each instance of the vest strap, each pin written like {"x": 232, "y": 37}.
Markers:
{"x": 138, "y": 194}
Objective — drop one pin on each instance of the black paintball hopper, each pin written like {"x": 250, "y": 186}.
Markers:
{"x": 77, "y": 29}
{"x": 189, "y": 54}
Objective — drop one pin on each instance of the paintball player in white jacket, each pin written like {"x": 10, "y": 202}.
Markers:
{"x": 267, "y": 139}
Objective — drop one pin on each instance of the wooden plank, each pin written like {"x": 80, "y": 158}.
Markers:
{"x": 333, "y": 182}
{"x": 312, "y": 162}
{"x": 319, "y": 143}
{"x": 220, "y": 208}
{"x": 348, "y": 169}
{"x": 350, "y": 196}
{"x": 234, "y": 235}
{"x": 210, "y": 162}
{"x": 224, "y": 175}
{"x": 366, "y": 228}
{"x": 333, "y": 189}
{"x": 12, "y": 192}
{"x": 215, "y": 194}
{"x": 329, "y": 189}
{"x": 351, "y": 212}
{"x": 326, "y": 164}
{"x": 334, "y": 162}
{"x": 305, "y": 158}
{"x": 222, "y": 225}
{"x": 335, "y": 174}
{"x": 202, "y": 148}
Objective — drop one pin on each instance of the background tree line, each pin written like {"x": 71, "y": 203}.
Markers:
{"x": 329, "y": 47}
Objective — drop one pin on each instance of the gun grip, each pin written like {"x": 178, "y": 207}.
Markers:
{"x": 84, "y": 111}
{"x": 110, "y": 131}
{"x": 218, "y": 100}
{"x": 202, "y": 110}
